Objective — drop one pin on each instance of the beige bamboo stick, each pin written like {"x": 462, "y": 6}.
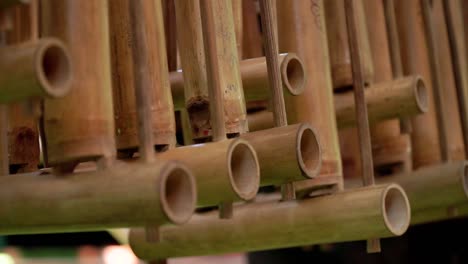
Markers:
{"x": 161, "y": 125}
{"x": 154, "y": 194}
{"x": 238, "y": 25}
{"x": 338, "y": 42}
{"x": 80, "y": 126}
{"x": 459, "y": 49}
{"x": 286, "y": 154}
{"x": 9, "y": 3}
{"x": 424, "y": 137}
{"x": 35, "y": 69}
{"x": 255, "y": 79}
{"x": 301, "y": 29}
{"x": 252, "y": 37}
{"x": 346, "y": 216}
{"x": 224, "y": 171}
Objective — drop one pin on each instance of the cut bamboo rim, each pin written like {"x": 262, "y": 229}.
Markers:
{"x": 35, "y": 69}
{"x": 255, "y": 79}
{"x": 158, "y": 193}
{"x": 381, "y": 211}
{"x": 286, "y": 154}
{"x": 227, "y": 170}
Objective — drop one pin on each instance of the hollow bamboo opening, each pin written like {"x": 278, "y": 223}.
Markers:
{"x": 54, "y": 64}
{"x": 244, "y": 170}
{"x": 309, "y": 151}
{"x": 293, "y": 74}
{"x": 178, "y": 194}
{"x": 421, "y": 95}
{"x": 396, "y": 210}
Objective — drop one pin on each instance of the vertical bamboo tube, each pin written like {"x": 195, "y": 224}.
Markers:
{"x": 238, "y": 25}
{"x": 252, "y": 37}
{"x": 414, "y": 50}
{"x": 170, "y": 29}
{"x": 456, "y": 149}
{"x": 80, "y": 126}
{"x": 123, "y": 77}
{"x": 338, "y": 42}
{"x": 301, "y": 29}
{"x": 4, "y": 162}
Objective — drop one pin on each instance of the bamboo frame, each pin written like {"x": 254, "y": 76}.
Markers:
{"x": 35, "y": 69}
{"x": 87, "y": 133}
{"x": 155, "y": 193}
{"x": 227, "y": 170}
{"x": 351, "y": 215}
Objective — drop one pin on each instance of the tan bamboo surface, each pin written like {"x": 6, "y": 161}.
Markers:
{"x": 252, "y": 37}
{"x": 301, "y": 29}
{"x": 286, "y": 154}
{"x": 456, "y": 148}
{"x": 227, "y": 170}
{"x": 338, "y": 42}
{"x": 157, "y": 193}
{"x": 431, "y": 188}
{"x": 10, "y": 3}
{"x": 344, "y": 216}
{"x": 35, "y": 69}
{"x": 254, "y": 76}
{"x": 162, "y": 124}
{"x": 424, "y": 137}
{"x": 80, "y": 126}
{"x": 459, "y": 49}
{"x": 238, "y": 25}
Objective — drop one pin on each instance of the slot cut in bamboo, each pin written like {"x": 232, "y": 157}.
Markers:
{"x": 381, "y": 211}
{"x": 340, "y": 58}
{"x": 286, "y": 154}
{"x": 120, "y": 196}
{"x": 227, "y": 170}
{"x": 124, "y": 63}
{"x": 301, "y": 29}
{"x": 254, "y": 76}
{"x": 34, "y": 69}
{"x": 80, "y": 126}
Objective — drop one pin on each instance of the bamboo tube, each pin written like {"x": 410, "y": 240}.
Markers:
{"x": 338, "y": 42}
{"x": 440, "y": 214}
{"x": 456, "y": 148}
{"x": 162, "y": 126}
{"x": 238, "y": 24}
{"x": 255, "y": 79}
{"x": 286, "y": 154}
{"x": 301, "y": 29}
{"x": 34, "y": 69}
{"x": 155, "y": 193}
{"x": 168, "y": 7}
{"x": 9, "y": 3}
{"x": 252, "y": 37}
{"x": 424, "y": 138}
{"x": 346, "y": 216}
{"x": 224, "y": 171}
{"x": 80, "y": 126}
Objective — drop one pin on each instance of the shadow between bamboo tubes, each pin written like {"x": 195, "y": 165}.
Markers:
{"x": 4, "y": 4}
{"x": 35, "y": 69}
{"x": 124, "y": 195}
{"x": 345, "y": 216}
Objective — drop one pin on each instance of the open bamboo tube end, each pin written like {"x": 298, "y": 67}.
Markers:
{"x": 396, "y": 209}
{"x": 309, "y": 152}
{"x": 293, "y": 74}
{"x": 420, "y": 92}
{"x": 54, "y": 67}
{"x": 244, "y": 169}
{"x": 178, "y": 192}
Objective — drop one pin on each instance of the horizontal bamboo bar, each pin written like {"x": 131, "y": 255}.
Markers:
{"x": 227, "y": 170}
{"x": 34, "y": 69}
{"x": 286, "y": 154}
{"x": 255, "y": 79}
{"x": 381, "y": 211}
{"x": 121, "y": 196}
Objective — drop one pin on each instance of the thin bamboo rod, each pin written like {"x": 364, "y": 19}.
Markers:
{"x": 252, "y": 37}
{"x": 80, "y": 126}
{"x": 346, "y": 216}
{"x": 459, "y": 49}
{"x": 4, "y": 4}
{"x": 424, "y": 137}
{"x": 130, "y": 54}
{"x": 254, "y": 77}
{"x": 4, "y": 161}
{"x": 301, "y": 29}
{"x": 35, "y": 69}
{"x": 43, "y": 203}
{"x": 227, "y": 170}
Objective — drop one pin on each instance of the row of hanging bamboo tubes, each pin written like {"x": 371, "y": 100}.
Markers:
{"x": 112, "y": 67}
